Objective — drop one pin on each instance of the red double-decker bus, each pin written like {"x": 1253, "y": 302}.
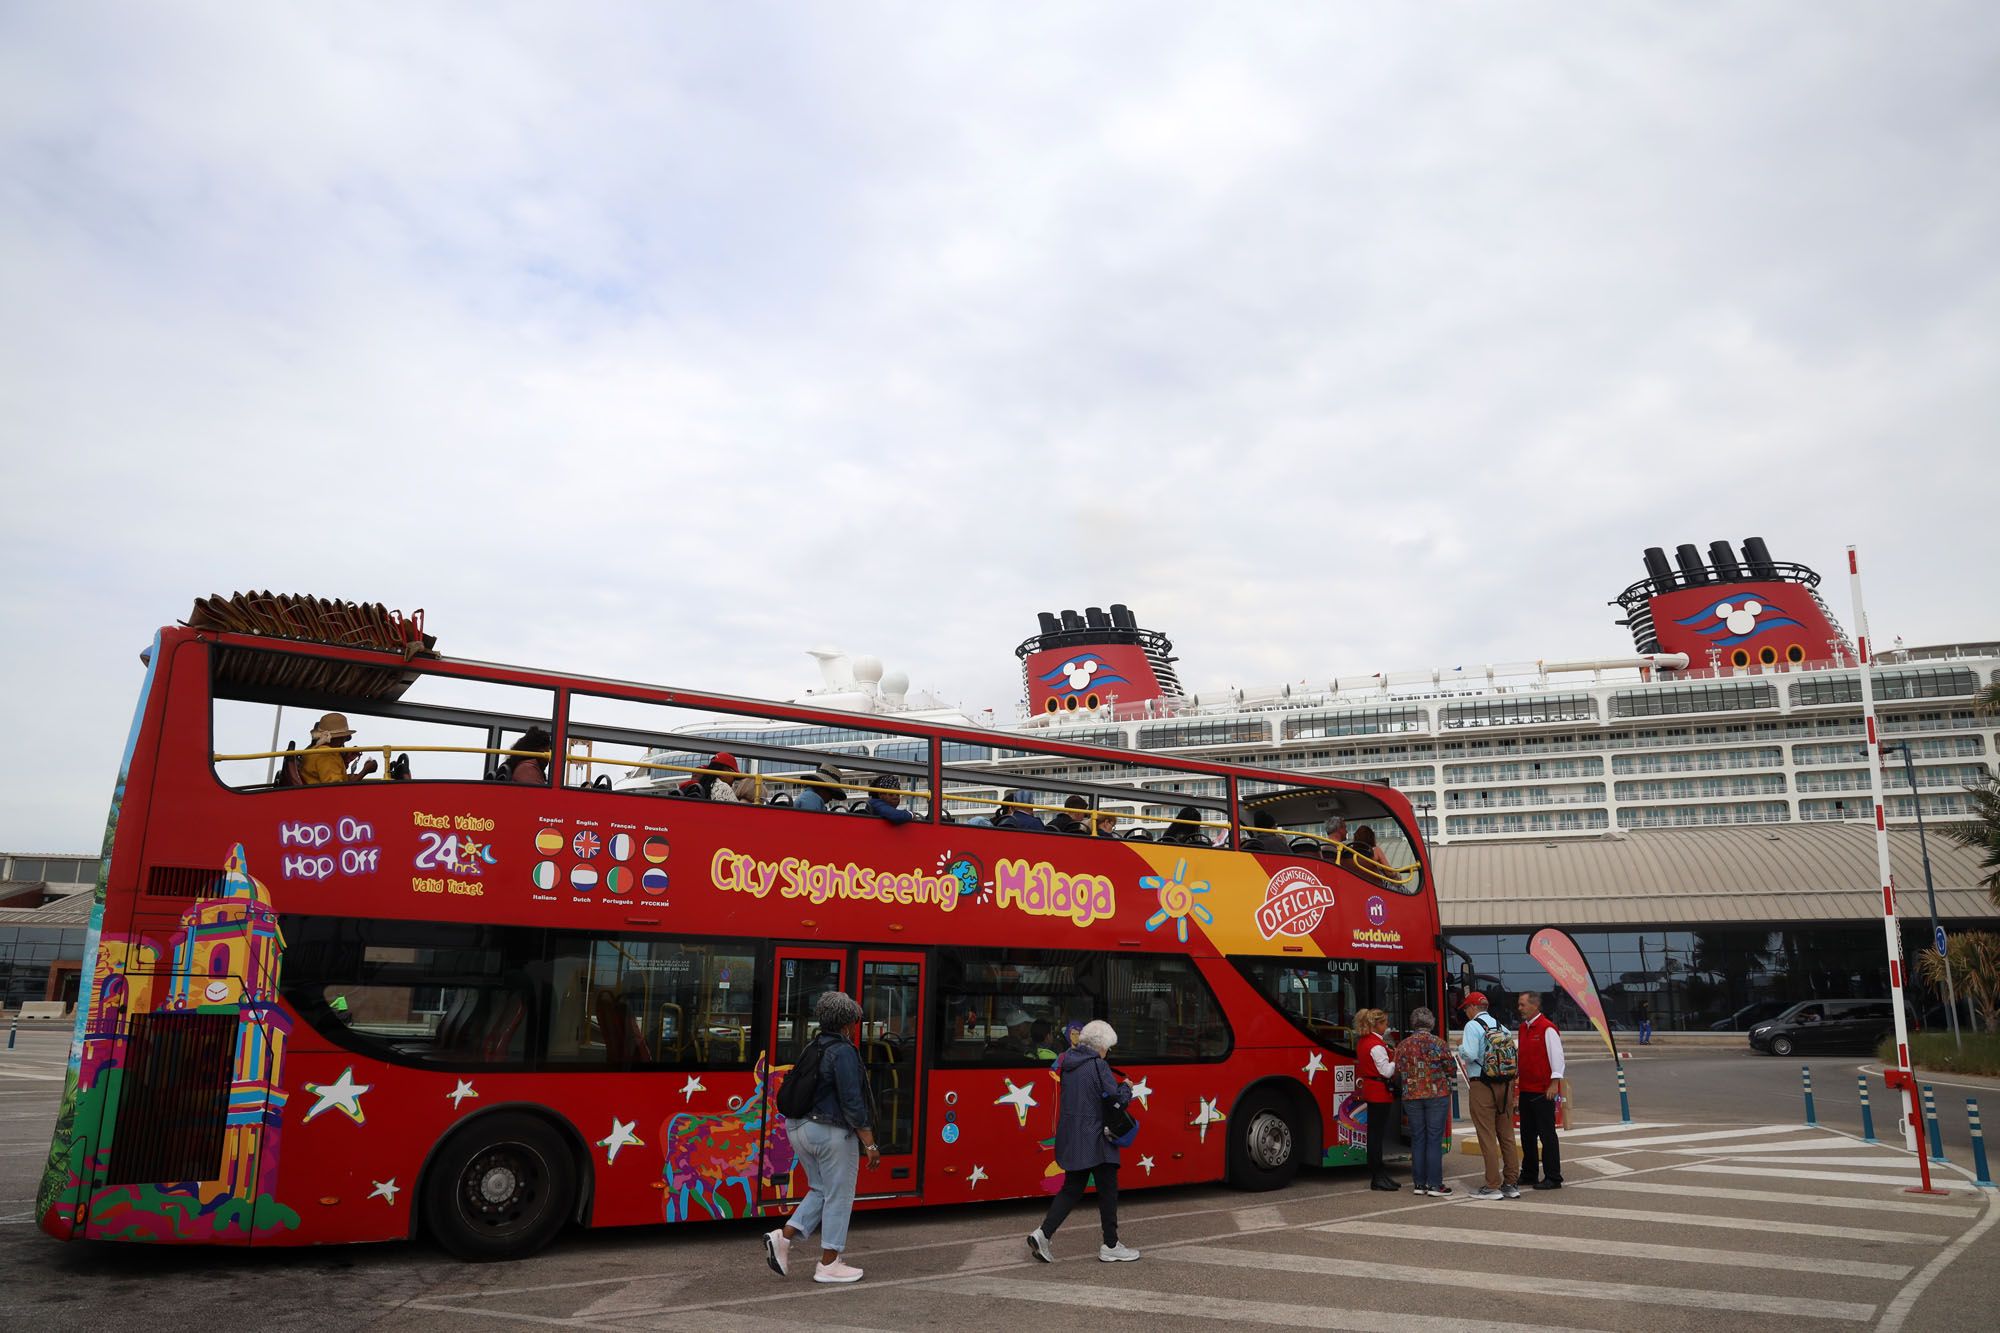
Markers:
{"x": 549, "y": 961}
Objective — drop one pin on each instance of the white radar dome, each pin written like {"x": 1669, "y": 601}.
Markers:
{"x": 868, "y": 670}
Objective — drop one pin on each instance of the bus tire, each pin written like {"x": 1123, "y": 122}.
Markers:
{"x": 1266, "y": 1144}
{"x": 501, "y": 1188}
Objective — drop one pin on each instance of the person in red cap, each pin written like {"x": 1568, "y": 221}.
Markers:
{"x": 1488, "y": 1053}
{"x": 714, "y": 779}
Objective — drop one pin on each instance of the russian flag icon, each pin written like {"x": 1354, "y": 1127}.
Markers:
{"x": 654, "y": 880}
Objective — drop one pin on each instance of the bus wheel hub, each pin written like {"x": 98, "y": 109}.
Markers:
{"x": 1269, "y": 1140}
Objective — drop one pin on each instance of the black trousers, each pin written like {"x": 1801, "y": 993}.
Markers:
{"x": 1541, "y": 1152}
{"x": 1074, "y": 1183}
{"x": 1381, "y": 1124}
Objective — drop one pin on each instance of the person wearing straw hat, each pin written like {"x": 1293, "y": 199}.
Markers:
{"x": 827, "y": 787}
{"x": 327, "y": 762}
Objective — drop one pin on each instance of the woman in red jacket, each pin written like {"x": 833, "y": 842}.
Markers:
{"x": 1373, "y": 1062}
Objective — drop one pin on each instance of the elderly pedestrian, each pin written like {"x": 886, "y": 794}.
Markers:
{"x": 1425, "y": 1064}
{"x": 1489, "y": 1056}
{"x": 829, "y": 1143}
{"x": 1083, "y": 1150}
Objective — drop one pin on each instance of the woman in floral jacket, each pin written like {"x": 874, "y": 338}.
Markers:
{"x": 1426, "y": 1066}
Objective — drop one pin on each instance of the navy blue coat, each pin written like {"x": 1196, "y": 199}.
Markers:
{"x": 1086, "y": 1081}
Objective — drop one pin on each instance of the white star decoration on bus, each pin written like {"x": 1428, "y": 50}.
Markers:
{"x": 458, "y": 1094}
{"x": 691, "y": 1087}
{"x": 1177, "y": 900}
{"x": 385, "y": 1190}
{"x": 1315, "y": 1065}
{"x": 342, "y": 1095}
{"x": 1146, "y": 1163}
{"x": 1141, "y": 1091}
{"x": 1205, "y": 1117}
{"x": 1020, "y": 1098}
{"x": 978, "y": 1174}
{"x": 621, "y": 1136}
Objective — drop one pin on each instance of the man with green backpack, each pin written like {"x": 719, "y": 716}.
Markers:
{"x": 1491, "y": 1062}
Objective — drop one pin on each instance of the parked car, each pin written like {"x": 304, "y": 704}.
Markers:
{"x": 1825, "y": 1025}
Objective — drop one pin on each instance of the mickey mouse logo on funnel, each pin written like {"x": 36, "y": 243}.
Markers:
{"x": 1294, "y": 903}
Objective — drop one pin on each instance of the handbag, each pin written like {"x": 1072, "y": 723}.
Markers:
{"x": 1120, "y": 1125}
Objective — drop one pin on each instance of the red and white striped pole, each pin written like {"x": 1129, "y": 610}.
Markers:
{"x": 1903, "y": 1080}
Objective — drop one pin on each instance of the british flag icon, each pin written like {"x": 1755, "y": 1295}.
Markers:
{"x": 586, "y": 845}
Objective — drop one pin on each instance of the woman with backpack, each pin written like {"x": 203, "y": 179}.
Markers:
{"x": 829, "y": 1142}
{"x": 1083, "y": 1149}
{"x": 1373, "y": 1063}
{"x": 1428, "y": 1071}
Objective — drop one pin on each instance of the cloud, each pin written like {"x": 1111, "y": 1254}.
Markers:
{"x": 663, "y": 342}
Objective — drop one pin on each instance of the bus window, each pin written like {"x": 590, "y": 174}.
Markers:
{"x": 440, "y": 727}
{"x": 1162, "y": 1009}
{"x": 1010, "y": 1006}
{"x": 1351, "y": 828}
{"x": 644, "y": 1002}
{"x": 1038, "y": 792}
{"x": 1319, "y": 995}
{"x": 655, "y": 749}
{"x": 1399, "y": 988}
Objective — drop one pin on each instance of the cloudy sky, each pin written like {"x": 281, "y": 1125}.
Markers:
{"x": 666, "y": 341}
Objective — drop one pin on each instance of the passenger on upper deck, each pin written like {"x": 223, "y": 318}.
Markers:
{"x": 826, "y": 789}
{"x": 1336, "y": 835}
{"x": 1104, "y": 824}
{"x": 1186, "y": 829}
{"x": 331, "y": 764}
{"x": 886, "y": 802}
{"x": 532, "y": 768}
{"x": 1367, "y": 858}
{"x": 1065, "y": 822}
{"x": 1017, "y": 811}
{"x": 713, "y": 783}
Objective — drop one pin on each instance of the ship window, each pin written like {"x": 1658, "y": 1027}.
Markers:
{"x": 1353, "y": 722}
{"x": 1911, "y": 683}
{"x": 1667, "y": 700}
{"x": 1525, "y": 710}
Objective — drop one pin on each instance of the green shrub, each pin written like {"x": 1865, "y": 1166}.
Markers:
{"x": 1937, "y": 1052}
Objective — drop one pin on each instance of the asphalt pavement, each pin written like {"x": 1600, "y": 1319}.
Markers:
{"x": 1717, "y": 1207}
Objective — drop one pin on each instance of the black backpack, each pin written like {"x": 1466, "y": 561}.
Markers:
{"x": 800, "y": 1089}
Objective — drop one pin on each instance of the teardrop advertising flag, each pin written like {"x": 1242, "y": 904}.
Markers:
{"x": 1557, "y": 953}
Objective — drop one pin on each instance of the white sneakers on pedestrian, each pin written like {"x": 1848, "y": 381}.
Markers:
{"x": 778, "y": 1252}
{"x": 1510, "y": 1191}
{"x": 1487, "y": 1192}
{"x": 1038, "y": 1246}
{"x": 1120, "y": 1253}
{"x": 1420, "y": 1191}
{"x": 837, "y": 1271}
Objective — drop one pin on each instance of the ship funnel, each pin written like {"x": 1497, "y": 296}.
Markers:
{"x": 1724, "y": 561}
{"x": 1759, "y": 557}
{"x": 1094, "y": 616}
{"x": 1121, "y": 616}
{"x": 1072, "y": 621}
{"x": 1658, "y": 569}
{"x": 1050, "y": 625}
{"x": 1693, "y": 575}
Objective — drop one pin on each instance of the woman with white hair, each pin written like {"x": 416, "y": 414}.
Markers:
{"x": 1083, "y": 1150}
{"x": 829, "y": 1143}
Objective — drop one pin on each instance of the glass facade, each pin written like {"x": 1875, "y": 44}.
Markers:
{"x": 1722, "y": 978}
{"x": 27, "y": 954}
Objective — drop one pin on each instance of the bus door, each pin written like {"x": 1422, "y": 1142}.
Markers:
{"x": 892, "y": 990}
{"x": 799, "y": 976}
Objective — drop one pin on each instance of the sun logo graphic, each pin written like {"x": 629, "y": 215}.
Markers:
{"x": 1177, "y": 900}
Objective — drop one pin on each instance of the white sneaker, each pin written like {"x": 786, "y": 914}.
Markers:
{"x": 1420, "y": 1191}
{"x": 1038, "y": 1245}
{"x": 837, "y": 1271}
{"x": 1510, "y": 1191}
{"x": 1487, "y": 1192}
{"x": 1120, "y": 1253}
{"x": 778, "y": 1252}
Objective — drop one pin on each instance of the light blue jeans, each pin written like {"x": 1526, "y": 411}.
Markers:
{"x": 1427, "y": 1117}
{"x": 832, "y": 1159}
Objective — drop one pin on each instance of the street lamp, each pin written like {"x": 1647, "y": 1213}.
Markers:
{"x": 1937, "y": 932}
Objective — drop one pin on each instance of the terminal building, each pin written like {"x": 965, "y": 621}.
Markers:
{"x": 44, "y": 909}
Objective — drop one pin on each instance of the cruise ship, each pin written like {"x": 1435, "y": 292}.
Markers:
{"x": 1738, "y": 704}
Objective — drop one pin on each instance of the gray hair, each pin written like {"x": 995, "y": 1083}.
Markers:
{"x": 1098, "y": 1036}
{"x": 836, "y": 1011}
{"x": 1423, "y": 1019}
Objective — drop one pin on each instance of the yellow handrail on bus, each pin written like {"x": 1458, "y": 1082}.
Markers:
{"x": 758, "y": 779}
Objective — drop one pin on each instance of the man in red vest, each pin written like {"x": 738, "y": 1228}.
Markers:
{"x": 1542, "y": 1086}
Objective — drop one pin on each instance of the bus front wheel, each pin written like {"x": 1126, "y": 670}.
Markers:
{"x": 500, "y": 1189}
{"x": 1266, "y": 1144}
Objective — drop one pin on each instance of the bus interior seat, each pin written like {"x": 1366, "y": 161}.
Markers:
{"x": 1138, "y": 835}
{"x": 291, "y": 769}
{"x": 453, "y": 1028}
{"x": 1305, "y": 846}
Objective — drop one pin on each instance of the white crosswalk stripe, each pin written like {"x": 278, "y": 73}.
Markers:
{"x": 1607, "y": 1165}
{"x": 1742, "y": 1302}
{"x": 1598, "y": 1131}
{"x": 1789, "y": 1145}
{"x": 1907, "y": 1175}
{"x": 1697, "y": 1136}
{"x": 1871, "y": 1203}
{"x": 1374, "y": 1228}
{"x": 1763, "y": 1225}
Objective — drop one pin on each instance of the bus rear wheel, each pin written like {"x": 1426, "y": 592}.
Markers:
{"x": 500, "y": 1189}
{"x": 1265, "y": 1146}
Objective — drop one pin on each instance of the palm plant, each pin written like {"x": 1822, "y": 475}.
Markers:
{"x": 1975, "y": 971}
{"x": 1982, "y": 831}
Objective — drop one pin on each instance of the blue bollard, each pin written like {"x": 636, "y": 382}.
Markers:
{"x": 1867, "y": 1115}
{"x": 1982, "y": 1177}
{"x": 1624, "y": 1102}
{"x": 1805, "y": 1078}
{"x": 1931, "y": 1123}
{"x": 1454, "y": 1104}
{"x": 13, "y": 1026}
